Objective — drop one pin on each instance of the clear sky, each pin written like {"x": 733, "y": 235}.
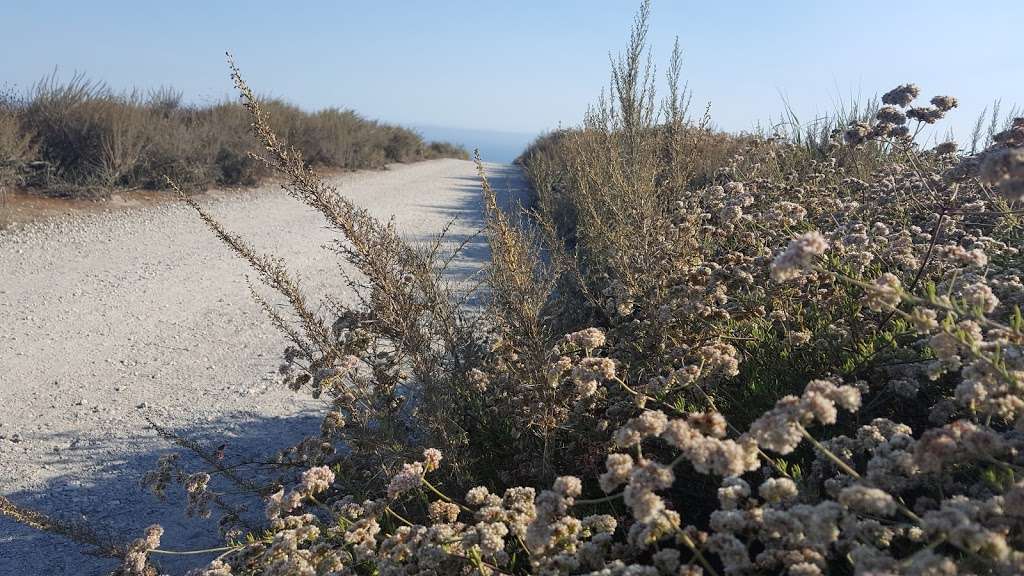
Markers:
{"x": 525, "y": 66}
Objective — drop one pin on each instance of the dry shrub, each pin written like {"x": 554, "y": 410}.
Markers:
{"x": 92, "y": 140}
{"x": 16, "y": 149}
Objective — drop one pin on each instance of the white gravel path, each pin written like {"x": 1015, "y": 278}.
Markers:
{"x": 106, "y": 318}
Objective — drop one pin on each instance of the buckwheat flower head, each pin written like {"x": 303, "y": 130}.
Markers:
{"x": 709, "y": 423}
{"x": 481, "y": 380}
{"x": 587, "y": 339}
{"x": 789, "y": 213}
{"x": 441, "y": 512}
{"x": 974, "y": 257}
{"x": 776, "y": 490}
{"x": 643, "y": 534}
{"x": 690, "y": 570}
{"x": 477, "y": 496}
{"x": 856, "y": 133}
{"x": 979, "y": 295}
{"x": 730, "y": 213}
{"x": 946, "y": 348}
{"x": 316, "y": 480}
{"x": 926, "y": 114}
{"x": 798, "y": 256}
{"x": 666, "y": 561}
{"x": 279, "y": 503}
{"x": 867, "y": 500}
{"x": 709, "y": 455}
{"x": 648, "y": 475}
{"x": 1004, "y": 168}
{"x": 799, "y": 337}
{"x": 846, "y": 396}
{"x": 884, "y": 293}
{"x": 551, "y": 529}
{"x": 431, "y": 459}
{"x": 600, "y": 523}
{"x": 1013, "y": 136}
{"x": 945, "y": 103}
{"x": 332, "y": 423}
{"x": 733, "y": 490}
{"x": 589, "y": 372}
{"x": 134, "y": 563}
{"x": 568, "y": 486}
{"x": 904, "y": 387}
{"x": 901, "y": 95}
{"x": 924, "y": 320}
{"x": 891, "y": 115}
{"x": 519, "y": 509}
{"x": 734, "y": 188}
{"x": 618, "y": 466}
{"x": 956, "y": 442}
{"x": 959, "y": 521}
{"x": 215, "y": 568}
{"x": 409, "y": 478}
{"x": 804, "y": 569}
{"x": 780, "y": 429}
{"x": 649, "y": 423}
{"x": 945, "y": 148}
{"x": 731, "y": 521}
{"x": 199, "y": 496}
{"x": 927, "y": 563}
{"x": 647, "y": 507}
{"x": 731, "y": 551}
{"x": 720, "y": 357}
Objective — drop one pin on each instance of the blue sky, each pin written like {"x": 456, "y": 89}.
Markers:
{"x": 525, "y": 66}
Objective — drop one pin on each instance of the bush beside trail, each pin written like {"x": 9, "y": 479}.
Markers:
{"x": 80, "y": 138}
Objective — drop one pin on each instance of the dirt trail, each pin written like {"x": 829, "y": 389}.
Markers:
{"x": 109, "y": 318}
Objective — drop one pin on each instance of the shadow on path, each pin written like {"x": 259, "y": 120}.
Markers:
{"x": 467, "y": 213}
{"x": 109, "y": 497}
{"x": 111, "y": 500}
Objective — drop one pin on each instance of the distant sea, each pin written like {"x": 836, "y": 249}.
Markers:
{"x": 494, "y": 146}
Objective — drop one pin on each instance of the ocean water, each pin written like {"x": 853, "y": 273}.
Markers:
{"x": 494, "y": 146}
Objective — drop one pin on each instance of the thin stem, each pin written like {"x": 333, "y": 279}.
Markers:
{"x": 442, "y": 496}
{"x": 398, "y": 516}
{"x": 609, "y": 498}
{"x": 696, "y": 552}
{"x": 828, "y": 454}
{"x": 194, "y": 552}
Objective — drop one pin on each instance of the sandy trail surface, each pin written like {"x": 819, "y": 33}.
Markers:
{"x": 108, "y": 318}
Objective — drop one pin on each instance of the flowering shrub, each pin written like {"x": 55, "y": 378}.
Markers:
{"x": 801, "y": 357}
